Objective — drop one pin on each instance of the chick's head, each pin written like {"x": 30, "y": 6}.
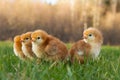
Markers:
{"x": 92, "y": 35}
{"x": 26, "y": 38}
{"x": 39, "y": 37}
{"x": 17, "y": 39}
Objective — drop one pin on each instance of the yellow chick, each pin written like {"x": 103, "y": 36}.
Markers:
{"x": 48, "y": 47}
{"x": 27, "y": 45}
{"x": 17, "y": 46}
{"x": 88, "y": 47}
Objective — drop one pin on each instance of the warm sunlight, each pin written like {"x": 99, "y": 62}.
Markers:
{"x": 50, "y": 1}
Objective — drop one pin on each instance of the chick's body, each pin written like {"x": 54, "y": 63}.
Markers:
{"x": 18, "y": 47}
{"x": 27, "y": 45}
{"x": 88, "y": 47}
{"x": 55, "y": 49}
{"x": 48, "y": 47}
{"x": 79, "y": 51}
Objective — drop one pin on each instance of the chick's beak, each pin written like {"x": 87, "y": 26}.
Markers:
{"x": 22, "y": 40}
{"x": 84, "y": 37}
{"x": 33, "y": 39}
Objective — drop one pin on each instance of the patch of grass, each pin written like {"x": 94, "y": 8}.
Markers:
{"x": 105, "y": 68}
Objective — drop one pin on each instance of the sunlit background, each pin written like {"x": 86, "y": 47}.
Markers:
{"x": 53, "y": 2}
{"x": 65, "y": 19}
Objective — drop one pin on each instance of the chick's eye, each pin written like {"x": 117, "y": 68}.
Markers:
{"x": 38, "y": 37}
{"x": 26, "y": 38}
{"x": 90, "y": 35}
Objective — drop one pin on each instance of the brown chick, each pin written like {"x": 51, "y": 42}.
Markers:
{"x": 48, "y": 47}
{"x": 89, "y": 47}
{"x": 17, "y": 46}
{"x": 27, "y": 45}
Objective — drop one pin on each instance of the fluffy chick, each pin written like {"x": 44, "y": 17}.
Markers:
{"x": 48, "y": 47}
{"x": 17, "y": 46}
{"x": 27, "y": 45}
{"x": 88, "y": 47}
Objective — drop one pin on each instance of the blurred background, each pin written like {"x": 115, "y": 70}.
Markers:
{"x": 65, "y": 19}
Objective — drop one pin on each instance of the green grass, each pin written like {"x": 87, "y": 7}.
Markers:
{"x": 107, "y": 67}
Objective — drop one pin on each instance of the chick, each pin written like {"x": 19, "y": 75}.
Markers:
{"x": 48, "y": 47}
{"x": 17, "y": 46}
{"x": 89, "y": 47}
{"x": 27, "y": 45}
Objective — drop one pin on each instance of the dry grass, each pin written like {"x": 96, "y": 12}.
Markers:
{"x": 61, "y": 20}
